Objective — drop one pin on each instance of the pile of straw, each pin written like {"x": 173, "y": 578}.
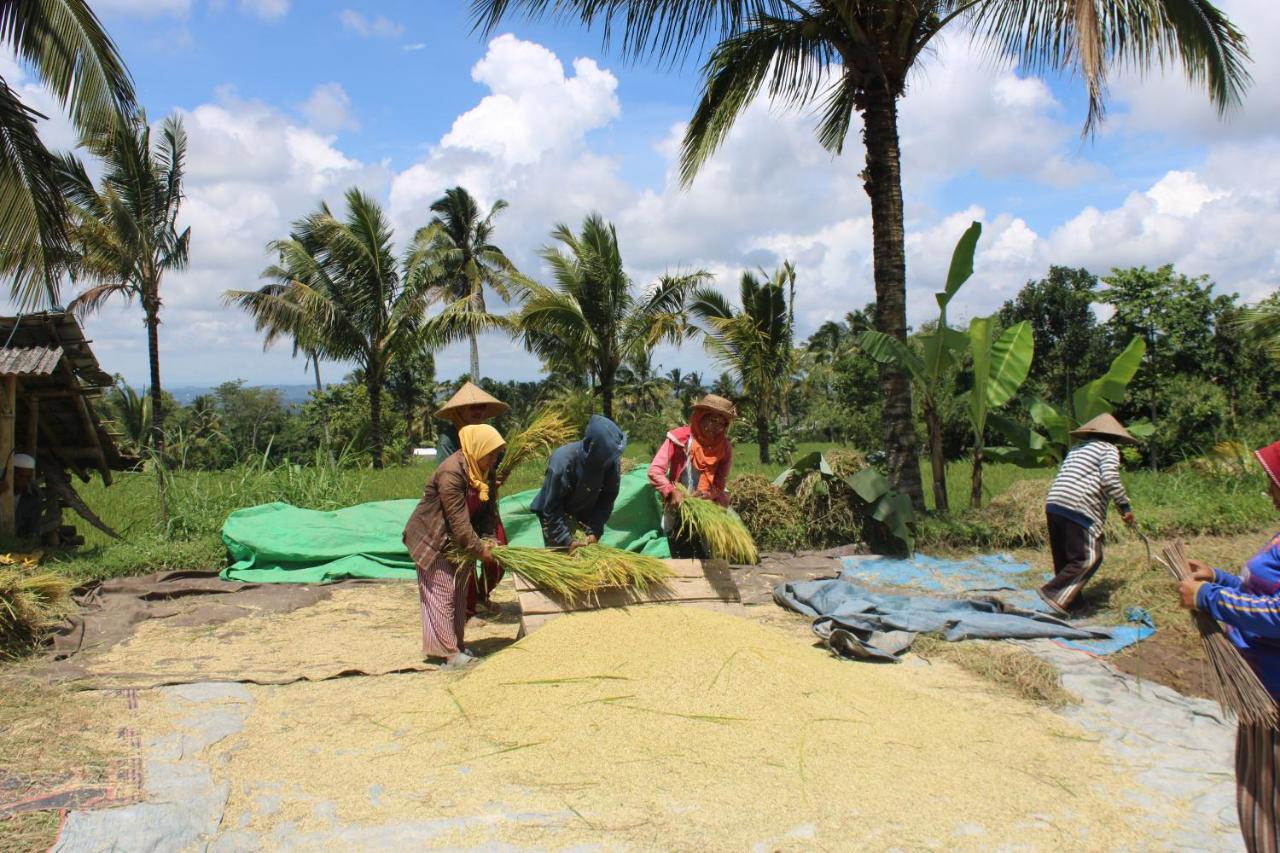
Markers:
{"x": 1236, "y": 685}
{"x": 586, "y": 571}
{"x": 548, "y": 431}
{"x": 29, "y": 605}
{"x": 724, "y": 534}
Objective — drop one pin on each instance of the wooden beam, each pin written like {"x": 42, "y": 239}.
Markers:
{"x": 82, "y": 409}
{"x": 8, "y": 401}
{"x": 33, "y": 425}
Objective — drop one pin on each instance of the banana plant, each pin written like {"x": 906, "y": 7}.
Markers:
{"x": 929, "y": 356}
{"x": 1000, "y": 366}
{"x": 1046, "y": 443}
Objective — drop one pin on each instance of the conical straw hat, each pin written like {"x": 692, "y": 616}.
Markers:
{"x": 1104, "y": 426}
{"x": 472, "y": 395}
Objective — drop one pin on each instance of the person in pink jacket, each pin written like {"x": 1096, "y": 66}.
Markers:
{"x": 697, "y": 457}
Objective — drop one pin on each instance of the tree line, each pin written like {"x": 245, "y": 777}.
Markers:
{"x": 121, "y": 236}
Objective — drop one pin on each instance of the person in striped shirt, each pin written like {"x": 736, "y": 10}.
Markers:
{"x": 1248, "y": 605}
{"x": 1076, "y": 510}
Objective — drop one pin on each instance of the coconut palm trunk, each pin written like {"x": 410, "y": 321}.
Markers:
{"x": 882, "y": 181}
{"x": 373, "y": 384}
{"x": 151, "y": 307}
{"x": 762, "y": 436}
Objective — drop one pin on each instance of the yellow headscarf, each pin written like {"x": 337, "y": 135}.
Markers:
{"x": 478, "y": 441}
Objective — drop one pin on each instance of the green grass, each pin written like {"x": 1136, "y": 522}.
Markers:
{"x": 1167, "y": 504}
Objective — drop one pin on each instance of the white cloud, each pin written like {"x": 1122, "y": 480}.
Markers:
{"x": 329, "y": 109}
{"x": 268, "y": 10}
{"x": 412, "y": 47}
{"x": 376, "y": 26}
{"x": 770, "y": 193}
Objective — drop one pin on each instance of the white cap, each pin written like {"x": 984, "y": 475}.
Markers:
{"x": 24, "y": 460}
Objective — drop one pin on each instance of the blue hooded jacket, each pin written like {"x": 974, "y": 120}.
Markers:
{"x": 581, "y": 482}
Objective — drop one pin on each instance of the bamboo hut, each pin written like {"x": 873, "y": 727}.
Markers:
{"x": 49, "y": 384}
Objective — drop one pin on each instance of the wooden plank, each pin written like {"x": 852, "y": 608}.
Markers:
{"x": 8, "y": 402}
{"x": 33, "y": 425}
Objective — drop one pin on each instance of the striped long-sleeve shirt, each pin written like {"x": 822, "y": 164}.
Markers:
{"x": 1249, "y": 604}
{"x": 1087, "y": 482}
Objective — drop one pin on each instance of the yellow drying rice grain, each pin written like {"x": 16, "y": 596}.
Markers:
{"x": 668, "y": 727}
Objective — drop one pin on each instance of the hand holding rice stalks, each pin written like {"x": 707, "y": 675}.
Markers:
{"x": 548, "y": 431}
{"x": 1236, "y": 686}
{"x": 724, "y": 534}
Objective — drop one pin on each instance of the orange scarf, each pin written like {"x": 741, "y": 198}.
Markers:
{"x": 704, "y": 454}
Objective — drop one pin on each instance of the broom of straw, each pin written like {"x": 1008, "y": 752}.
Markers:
{"x": 1236, "y": 685}
{"x": 724, "y": 534}
{"x": 548, "y": 431}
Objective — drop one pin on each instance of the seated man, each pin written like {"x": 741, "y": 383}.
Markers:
{"x": 581, "y": 484}
{"x": 28, "y": 503}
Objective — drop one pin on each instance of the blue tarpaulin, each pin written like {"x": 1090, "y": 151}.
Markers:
{"x": 855, "y": 622}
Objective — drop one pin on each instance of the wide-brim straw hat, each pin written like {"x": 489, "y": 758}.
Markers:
{"x": 472, "y": 395}
{"x": 1104, "y": 426}
{"x": 717, "y": 404}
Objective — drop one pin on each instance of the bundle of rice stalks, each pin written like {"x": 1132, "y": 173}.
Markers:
{"x": 724, "y": 534}
{"x": 551, "y": 570}
{"x": 548, "y": 431}
{"x": 772, "y": 518}
{"x": 616, "y": 567}
{"x": 1236, "y": 685}
{"x": 29, "y": 604}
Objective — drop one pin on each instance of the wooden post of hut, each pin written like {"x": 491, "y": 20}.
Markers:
{"x": 8, "y": 404}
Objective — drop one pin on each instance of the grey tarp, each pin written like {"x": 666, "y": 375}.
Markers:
{"x": 855, "y": 622}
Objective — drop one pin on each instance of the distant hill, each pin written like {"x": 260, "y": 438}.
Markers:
{"x": 291, "y": 394}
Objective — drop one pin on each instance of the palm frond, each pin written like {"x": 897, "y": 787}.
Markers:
{"x": 33, "y": 237}
{"x": 73, "y": 56}
{"x": 1088, "y": 37}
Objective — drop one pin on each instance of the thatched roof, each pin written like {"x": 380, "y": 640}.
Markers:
{"x": 59, "y": 379}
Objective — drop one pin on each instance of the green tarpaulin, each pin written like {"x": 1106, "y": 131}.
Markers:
{"x": 280, "y": 543}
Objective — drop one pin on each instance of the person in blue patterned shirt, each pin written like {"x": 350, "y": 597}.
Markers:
{"x": 1248, "y": 606}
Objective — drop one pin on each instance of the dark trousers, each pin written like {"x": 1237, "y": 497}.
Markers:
{"x": 1077, "y": 554}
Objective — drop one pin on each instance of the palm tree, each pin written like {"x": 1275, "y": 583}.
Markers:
{"x": 125, "y": 231}
{"x": 1262, "y": 322}
{"x": 66, "y": 46}
{"x": 340, "y": 290}
{"x": 755, "y": 343}
{"x": 592, "y": 317}
{"x": 846, "y": 57}
{"x": 465, "y": 260}
{"x": 639, "y": 388}
{"x": 302, "y": 340}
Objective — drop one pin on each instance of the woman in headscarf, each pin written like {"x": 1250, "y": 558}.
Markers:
{"x": 470, "y": 405}
{"x": 1248, "y": 605}
{"x": 698, "y": 457}
{"x": 581, "y": 484}
{"x": 458, "y": 508}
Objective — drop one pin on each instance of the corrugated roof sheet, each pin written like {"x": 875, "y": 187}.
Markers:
{"x": 29, "y": 361}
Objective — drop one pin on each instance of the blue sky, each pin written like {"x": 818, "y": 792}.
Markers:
{"x": 290, "y": 102}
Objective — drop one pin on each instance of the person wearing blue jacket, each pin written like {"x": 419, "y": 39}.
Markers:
{"x": 1248, "y": 605}
{"x": 581, "y": 484}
